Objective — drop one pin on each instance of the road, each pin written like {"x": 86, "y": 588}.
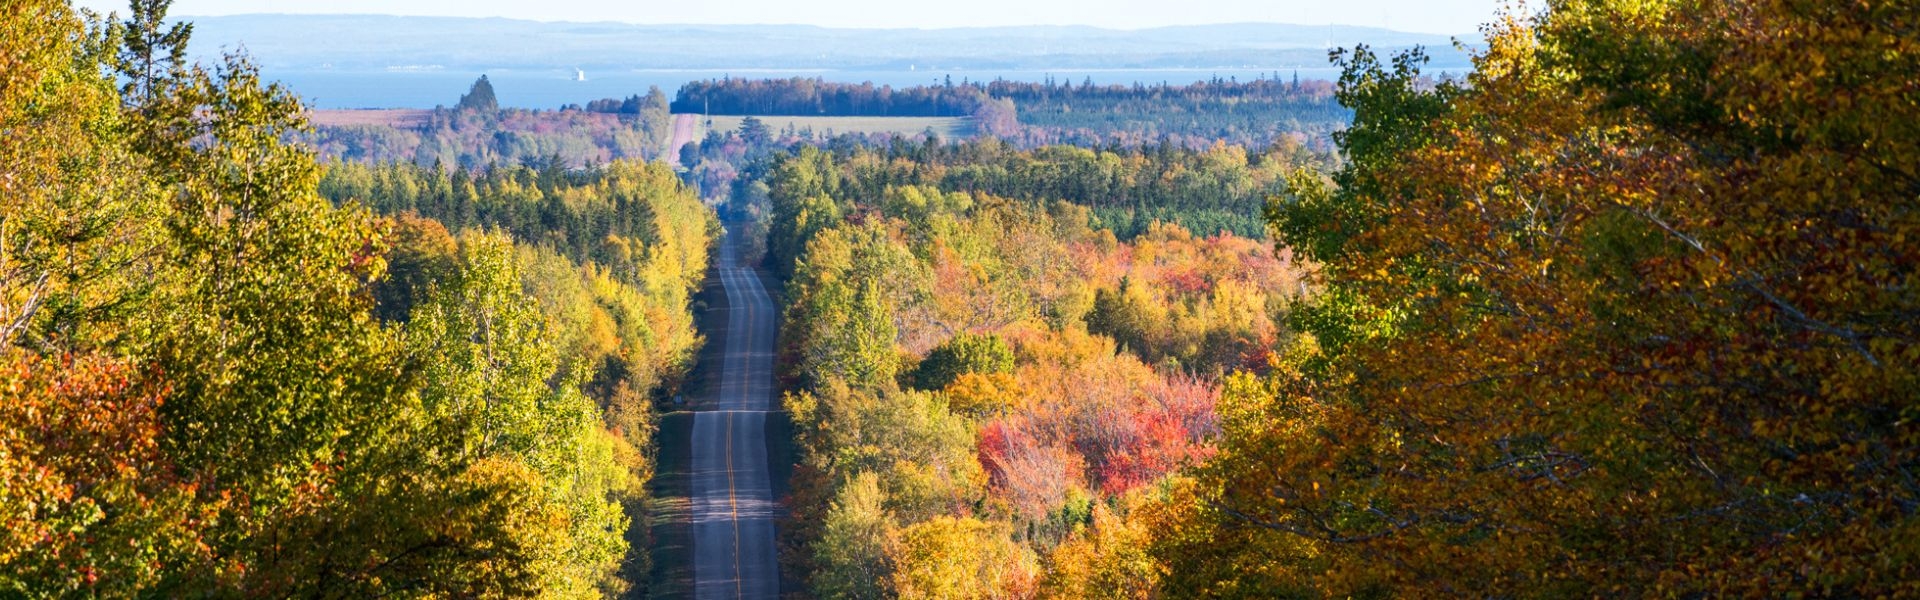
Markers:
{"x": 733, "y": 505}
{"x": 683, "y": 127}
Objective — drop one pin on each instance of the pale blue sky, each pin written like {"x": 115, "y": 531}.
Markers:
{"x": 1426, "y": 16}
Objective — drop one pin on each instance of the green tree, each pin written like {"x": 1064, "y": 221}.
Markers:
{"x": 479, "y": 98}
{"x": 963, "y": 354}
{"x": 803, "y": 202}
{"x": 853, "y": 552}
{"x": 252, "y": 397}
{"x": 846, "y": 297}
{"x": 494, "y": 381}
{"x": 755, "y": 132}
{"x": 152, "y": 52}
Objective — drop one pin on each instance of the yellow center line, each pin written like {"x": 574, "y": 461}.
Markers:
{"x": 739, "y": 589}
{"x": 740, "y": 335}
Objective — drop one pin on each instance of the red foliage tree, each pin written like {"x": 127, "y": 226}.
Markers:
{"x": 89, "y": 505}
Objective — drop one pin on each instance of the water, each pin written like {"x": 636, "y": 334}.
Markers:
{"x": 330, "y": 89}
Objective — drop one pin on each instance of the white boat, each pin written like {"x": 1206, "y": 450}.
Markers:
{"x": 579, "y": 75}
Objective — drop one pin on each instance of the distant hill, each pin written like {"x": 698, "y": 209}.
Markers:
{"x": 368, "y": 42}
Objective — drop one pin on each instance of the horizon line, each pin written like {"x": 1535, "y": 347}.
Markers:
{"x": 829, "y": 27}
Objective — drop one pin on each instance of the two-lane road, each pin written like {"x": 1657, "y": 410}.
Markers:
{"x": 733, "y": 504}
{"x": 683, "y": 127}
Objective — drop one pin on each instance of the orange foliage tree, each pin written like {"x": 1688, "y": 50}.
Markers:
{"x": 1632, "y": 310}
{"x": 89, "y": 505}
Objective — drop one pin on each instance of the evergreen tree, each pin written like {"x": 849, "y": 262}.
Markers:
{"x": 480, "y": 98}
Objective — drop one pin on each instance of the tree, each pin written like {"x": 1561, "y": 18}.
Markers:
{"x": 963, "y": 354}
{"x": 152, "y": 53}
{"x": 755, "y": 132}
{"x": 75, "y": 217}
{"x": 846, "y": 298}
{"x": 854, "y": 551}
{"x": 89, "y": 505}
{"x": 422, "y": 253}
{"x": 192, "y": 373}
{"x": 947, "y": 557}
{"x": 493, "y": 386}
{"x": 802, "y": 195}
{"x": 479, "y": 98}
{"x": 1108, "y": 559}
{"x": 1618, "y": 314}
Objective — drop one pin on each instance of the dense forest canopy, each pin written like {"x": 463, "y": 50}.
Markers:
{"x": 203, "y": 357}
{"x": 1195, "y": 114}
{"x": 1217, "y": 189}
{"x": 1629, "y": 309}
{"x": 981, "y": 378}
{"x": 815, "y": 96}
{"x": 476, "y": 134}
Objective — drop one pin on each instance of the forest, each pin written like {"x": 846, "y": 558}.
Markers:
{"x": 440, "y": 384}
{"x": 1217, "y": 189}
{"x": 1628, "y": 311}
{"x": 1197, "y": 114}
{"x": 1631, "y": 309}
{"x": 979, "y": 380}
{"x": 476, "y": 133}
{"x": 814, "y": 96}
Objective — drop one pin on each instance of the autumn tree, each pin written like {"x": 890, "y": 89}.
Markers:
{"x": 948, "y": 557}
{"x": 1108, "y": 559}
{"x": 194, "y": 373}
{"x": 843, "y": 306}
{"x": 89, "y": 504}
{"x": 1629, "y": 311}
{"x": 75, "y": 217}
{"x": 492, "y": 375}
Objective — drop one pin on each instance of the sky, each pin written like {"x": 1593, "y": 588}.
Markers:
{"x": 1450, "y": 17}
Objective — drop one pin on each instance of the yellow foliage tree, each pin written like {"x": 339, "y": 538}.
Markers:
{"x": 955, "y": 558}
{"x": 1632, "y": 311}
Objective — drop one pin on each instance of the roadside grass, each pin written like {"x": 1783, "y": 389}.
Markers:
{"x": 671, "y": 505}
{"x": 670, "y": 494}
{"x": 671, "y": 491}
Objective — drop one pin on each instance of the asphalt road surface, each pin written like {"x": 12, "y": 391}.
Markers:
{"x": 683, "y": 128}
{"x": 733, "y": 504}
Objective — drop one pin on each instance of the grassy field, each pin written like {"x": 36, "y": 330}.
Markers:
{"x": 947, "y": 127}
{"x": 391, "y": 118}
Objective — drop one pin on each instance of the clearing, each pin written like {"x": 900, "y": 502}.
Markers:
{"x": 946, "y": 127}
{"x": 401, "y": 118}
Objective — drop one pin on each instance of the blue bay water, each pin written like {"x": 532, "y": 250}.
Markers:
{"x": 333, "y": 89}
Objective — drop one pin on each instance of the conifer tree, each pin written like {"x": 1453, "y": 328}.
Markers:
{"x": 480, "y": 97}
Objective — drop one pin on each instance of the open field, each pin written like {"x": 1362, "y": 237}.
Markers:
{"x": 950, "y": 127}
{"x": 390, "y": 117}
{"x": 947, "y": 127}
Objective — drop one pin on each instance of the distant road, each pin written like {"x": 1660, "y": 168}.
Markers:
{"x": 683, "y": 127}
{"x": 733, "y": 505}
